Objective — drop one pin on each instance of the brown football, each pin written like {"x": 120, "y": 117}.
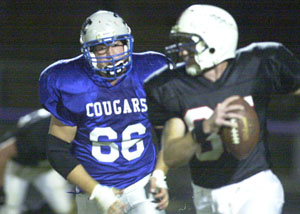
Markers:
{"x": 241, "y": 141}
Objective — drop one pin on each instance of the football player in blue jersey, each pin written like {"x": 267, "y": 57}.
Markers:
{"x": 195, "y": 101}
{"x": 100, "y": 136}
{"x": 23, "y": 161}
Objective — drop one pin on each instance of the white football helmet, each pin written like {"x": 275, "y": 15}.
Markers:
{"x": 105, "y": 27}
{"x": 208, "y": 33}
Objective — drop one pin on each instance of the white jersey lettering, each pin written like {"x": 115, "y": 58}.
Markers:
{"x": 116, "y": 107}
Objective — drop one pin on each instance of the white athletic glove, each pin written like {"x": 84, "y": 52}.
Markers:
{"x": 160, "y": 179}
{"x": 104, "y": 196}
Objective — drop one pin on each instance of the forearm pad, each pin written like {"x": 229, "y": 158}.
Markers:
{"x": 59, "y": 155}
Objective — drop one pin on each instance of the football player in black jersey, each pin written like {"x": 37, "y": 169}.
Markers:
{"x": 194, "y": 100}
{"x": 23, "y": 161}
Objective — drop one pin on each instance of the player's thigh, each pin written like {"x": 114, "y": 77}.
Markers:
{"x": 55, "y": 189}
{"x": 138, "y": 202}
{"x": 146, "y": 208}
{"x": 261, "y": 193}
{"x": 266, "y": 195}
{"x": 86, "y": 206}
{"x": 202, "y": 200}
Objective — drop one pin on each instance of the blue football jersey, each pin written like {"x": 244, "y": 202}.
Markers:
{"x": 113, "y": 140}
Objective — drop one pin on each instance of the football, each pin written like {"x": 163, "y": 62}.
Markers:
{"x": 241, "y": 141}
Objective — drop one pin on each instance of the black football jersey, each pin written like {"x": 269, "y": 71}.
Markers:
{"x": 31, "y": 134}
{"x": 258, "y": 71}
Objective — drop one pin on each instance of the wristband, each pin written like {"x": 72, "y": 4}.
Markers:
{"x": 198, "y": 135}
{"x": 104, "y": 196}
{"x": 160, "y": 178}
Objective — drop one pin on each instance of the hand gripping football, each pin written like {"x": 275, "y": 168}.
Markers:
{"x": 241, "y": 141}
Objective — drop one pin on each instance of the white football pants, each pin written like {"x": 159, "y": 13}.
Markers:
{"x": 261, "y": 193}
{"x": 50, "y": 184}
{"x": 134, "y": 197}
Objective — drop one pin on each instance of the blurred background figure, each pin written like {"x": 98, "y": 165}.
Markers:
{"x": 23, "y": 163}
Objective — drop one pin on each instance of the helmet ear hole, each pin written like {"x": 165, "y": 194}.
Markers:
{"x": 212, "y": 50}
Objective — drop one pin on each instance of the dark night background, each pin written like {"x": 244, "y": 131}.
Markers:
{"x": 43, "y": 31}
{"x": 37, "y": 33}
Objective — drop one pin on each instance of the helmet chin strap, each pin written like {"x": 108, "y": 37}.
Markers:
{"x": 119, "y": 63}
{"x": 193, "y": 70}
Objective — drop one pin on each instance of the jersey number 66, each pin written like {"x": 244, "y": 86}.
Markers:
{"x": 126, "y": 144}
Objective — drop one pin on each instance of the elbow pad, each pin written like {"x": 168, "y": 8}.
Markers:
{"x": 59, "y": 155}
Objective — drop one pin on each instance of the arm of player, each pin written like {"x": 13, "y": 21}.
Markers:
{"x": 178, "y": 147}
{"x": 8, "y": 150}
{"x": 158, "y": 184}
{"x": 74, "y": 172}
{"x": 77, "y": 175}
